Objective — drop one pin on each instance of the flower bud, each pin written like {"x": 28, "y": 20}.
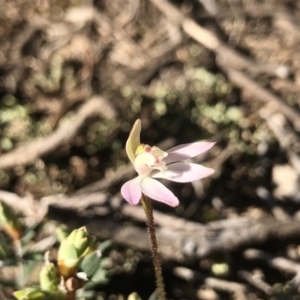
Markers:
{"x": 72, "y": 250}
{"x": 134, "y": 296}
{"x": 49, "y": 278}
{"x": 73, "y": 284}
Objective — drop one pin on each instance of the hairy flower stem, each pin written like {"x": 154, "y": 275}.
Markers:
{"x": 71, "y": 295}
{"x": 155, "y": 252}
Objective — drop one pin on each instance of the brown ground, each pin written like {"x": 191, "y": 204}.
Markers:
{"x": 75, "y": 75}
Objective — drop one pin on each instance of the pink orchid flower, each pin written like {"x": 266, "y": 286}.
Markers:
{"x": 151, "y": 162}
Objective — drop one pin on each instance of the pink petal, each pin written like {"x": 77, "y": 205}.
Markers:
{"x": 184, "y": 172}
{"x": 133, "y": 140}
{"x": 131, "y": 191}
{"x": 157, "y": 191}
{"x": 186, "y": 151}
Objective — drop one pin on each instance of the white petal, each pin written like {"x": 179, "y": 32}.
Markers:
{"x": 186, "y": 151}
{"x": 184, "y": 172}
{"x": 143, "y": 162}
{"x": 157, "y": 191}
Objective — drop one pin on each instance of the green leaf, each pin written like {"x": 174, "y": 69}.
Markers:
{"x": 38, "y": 294}
{"x": 100, "y": 277}
{"x": 105, "y": 263}
{"x": 32, "y": 294}
{"x": 105, "y": 247}
{"x": 154, "y": 296}
{"x": 85, "y": 294}
{"x": 49, "y": 277}
{"x": 90, "y": 263}
{"x": 61, "y": 233}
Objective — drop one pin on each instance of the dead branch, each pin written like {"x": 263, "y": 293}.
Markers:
{"x": 287, "y": 139}
{"x": 179, "y": 239}
{"x": 279, "y": 263}
{"x": 256, "y": 281}
{"x": 108, "y": 217}
{"x": 278, "y": 212}
{"x": 28, "y": 154}
{"x": 228, "y": 57}
{"x": 243, "y": 81}
{"x": 237, "y": 289}
{"x": 211, "y": 41}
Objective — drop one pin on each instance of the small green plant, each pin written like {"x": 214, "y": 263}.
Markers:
{"x": 80, "y": 264}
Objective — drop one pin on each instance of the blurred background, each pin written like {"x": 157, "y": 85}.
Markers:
{"x": 75, "y": 75}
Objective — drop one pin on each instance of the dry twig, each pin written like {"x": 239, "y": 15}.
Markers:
{"x": 28, "y": 154}
{"x": 279, "y": 263}
{"x": 256, "y": 281}
{"x": 179, "y": 239}
{"x": 237, "y": 289}
{"x": 229, "y": 60}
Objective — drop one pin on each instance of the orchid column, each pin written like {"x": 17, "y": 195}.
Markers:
{"x": 151, "y": 162}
